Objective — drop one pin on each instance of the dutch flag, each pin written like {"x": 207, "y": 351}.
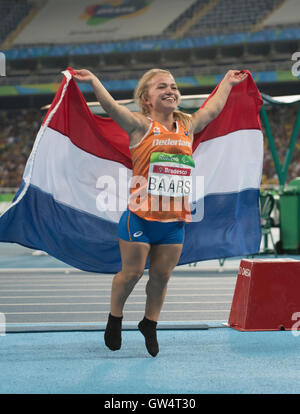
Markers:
{"x": 80, "y": 164}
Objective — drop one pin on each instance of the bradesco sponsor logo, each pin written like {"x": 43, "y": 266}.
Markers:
{"x": 161, "y": 169}
{"x": 244, "y": 271}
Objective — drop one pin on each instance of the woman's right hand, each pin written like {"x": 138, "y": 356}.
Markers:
{"x": 84, "y": 75}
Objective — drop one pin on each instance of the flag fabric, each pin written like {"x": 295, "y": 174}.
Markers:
{"x": 76, "y": 184}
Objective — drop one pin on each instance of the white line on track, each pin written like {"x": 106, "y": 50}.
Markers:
{"x": 98, "y": 283}
{"x": 98, "y": 296}
{"x": 105, "y": 303}
{"x": 105, "y": 312}
{"x": 102, "y": 290}
{"x": 43, "y": 324}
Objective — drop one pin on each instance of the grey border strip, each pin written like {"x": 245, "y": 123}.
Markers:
{"x": 128, "y": 326}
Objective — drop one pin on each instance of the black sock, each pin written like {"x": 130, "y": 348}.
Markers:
{"x": 112, "y": 335}
{"x": 148, "y": 329}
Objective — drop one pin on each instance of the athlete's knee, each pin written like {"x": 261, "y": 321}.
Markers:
{"x": 159, "y": 276}
{"x": 131, "y": 275}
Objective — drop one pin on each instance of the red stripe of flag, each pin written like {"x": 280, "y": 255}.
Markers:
{"x": 104, "y": 138}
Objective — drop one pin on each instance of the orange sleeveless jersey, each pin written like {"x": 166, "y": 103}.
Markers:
{"x": 162, "y": 173}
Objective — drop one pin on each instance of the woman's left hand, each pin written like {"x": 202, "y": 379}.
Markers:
{"x": 233, "y": 77}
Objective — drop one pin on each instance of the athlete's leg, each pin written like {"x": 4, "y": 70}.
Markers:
{"x": 134, "y": 256}
{"x": 163, "y": 259}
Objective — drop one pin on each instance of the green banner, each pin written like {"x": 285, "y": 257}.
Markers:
{"x": 6, "y": 197}
{"x": 175, "y": 158}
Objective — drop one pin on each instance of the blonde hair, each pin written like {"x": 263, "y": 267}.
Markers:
{"x": 141, "y": 94}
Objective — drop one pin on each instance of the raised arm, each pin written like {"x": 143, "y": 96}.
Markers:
{"x": 127, "y": 120}
{"x": 217, "y": 102}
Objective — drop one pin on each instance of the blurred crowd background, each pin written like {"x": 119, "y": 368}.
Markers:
{"x": 18, "y": 129}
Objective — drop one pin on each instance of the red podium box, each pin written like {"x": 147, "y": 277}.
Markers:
{"x": 266, "y": 296}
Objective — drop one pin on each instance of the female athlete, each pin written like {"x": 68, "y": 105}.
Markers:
{"x": 160, "y": 144}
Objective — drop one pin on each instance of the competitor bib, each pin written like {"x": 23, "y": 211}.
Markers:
{"x": 170, "y": 174}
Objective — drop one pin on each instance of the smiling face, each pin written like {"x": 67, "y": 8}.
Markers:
{"x": 163, "y": 94}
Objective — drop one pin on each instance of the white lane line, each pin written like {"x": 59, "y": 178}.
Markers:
{"x": 98, "y": 296}
{"x": 69, "y": 270}
{"x": 106, "y": 303}
{"x": 105, "y": 312}
{"x": 51, "y": 277}
{"x": 99, "y": 283}
{"x": 108, "y": 290}
{"x": 41, "y": 269}
{"x": 60, "y": 323}
{"x": 100, "y": 279}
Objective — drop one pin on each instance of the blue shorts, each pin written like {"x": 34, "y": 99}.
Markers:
{"x": 133, "y": 228}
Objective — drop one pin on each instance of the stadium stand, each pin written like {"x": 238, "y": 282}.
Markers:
{"x": 12, "y": 12}
{"x": 17, "y": 133}
{"x": 185, "y": 20}
{"x": 282, "y": 120}
{"x": 79, "y": 21}
{"x": 284, "y": 15}
{"x": 233, "y": 16}
{"x": 199, "y": 41}
{"x": 208, "y": 54}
